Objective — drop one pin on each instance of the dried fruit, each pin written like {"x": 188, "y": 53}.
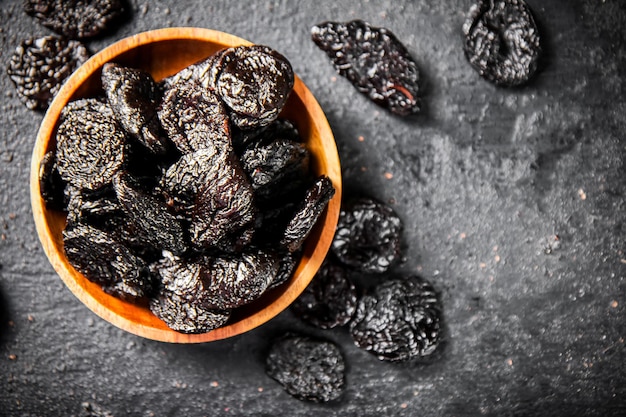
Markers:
{"x": 368, "y": 236}
{"x": 254, "y": 82}
{"x": 374, "y": 61}
{"x": 39, "y": 67}
{"x": 305, "y": 217}
{"x": 399, "y": 319}
{"x": 150, "y": 215}
{"x": 501, "y": 41}
{"x": 104, "y": 260}
{"x": 194, "y": 118}
{"x": 329, "y": 300}
{"x": 219, "y": 282}
{"x": 276, "y": 167}
{"x": 50, "y": 183}
{"x": 307, "y": 368}
{"x": 76, "y": 18}
{"x": 186, "y": 316}
{"x": 91, "y": 145}
{"x": 133, "y": 96}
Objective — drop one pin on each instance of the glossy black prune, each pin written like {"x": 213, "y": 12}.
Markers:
{"x": 288, "y": 261}
{"x": 186, "y": 316}
{"x": 39, "y": 66}
{"x": 307, "y": 214}
{"x": 104, "y": 260}
{"x": 276, "y": 167}
{"x": 91, "y": 145}
{"x": 51, "y": 184}
{"x": 219, "y": 282}
{"x": 133, "y": 95}
{"x": 210, "y": 187}
{"x": 329, "y": 300}
{"x": 309, "y": 369}
{"x": 194, "y": 118}
{"x": 254, "y": 82}
{"x": 374, "y": 61}
{"x": 150, "y": 215}
{"x": 399, "y": 319}
{"x": 76, "y": 19}
{"x": 501, "y": 41}
{"x": 368, "y": 236}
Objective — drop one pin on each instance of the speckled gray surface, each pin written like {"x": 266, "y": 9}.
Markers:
{"x": 513, "y": 202}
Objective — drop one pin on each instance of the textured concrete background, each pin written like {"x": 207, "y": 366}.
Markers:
{"x": 513, "y": 202}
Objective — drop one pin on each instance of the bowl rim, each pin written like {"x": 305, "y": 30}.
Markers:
{"x": 57, "y": 258}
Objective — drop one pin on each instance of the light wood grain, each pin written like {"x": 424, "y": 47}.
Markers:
{"x": 164, "y": 52}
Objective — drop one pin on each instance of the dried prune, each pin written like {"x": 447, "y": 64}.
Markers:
{"x": 76, "y": 18}
{"x": 210, "y": 186}
{"x": 307, "y": 368}
{"x": 106, "y": 261}
{"x": 186, "y": 316}
{"x": 374, "y": 61}
{"x": 501, "y": 41}
{"x": 194, "y": 118}
{"x": 133, "y": 96}
{"x": 330, "y": 298}
{"x": 149, "y": 214}
{"x": 203, "y": 72}
{"x": 93, "y": 208}
{"x": 276, "y": 167}
{"x": 368, "y": 236}
{"x": 399, "y": 319}
{"x": 305, "y": 217}
{"x": 219, "y": 282}
{"x": 287, "y": 265}
{"x": 91, "y": 145}
{"x": 39, "y": 67}
{"x": 51, "y": 184}
{"x": 254, "y": 82}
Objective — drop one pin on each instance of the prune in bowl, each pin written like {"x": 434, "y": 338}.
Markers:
{"x": 162, "y": 54}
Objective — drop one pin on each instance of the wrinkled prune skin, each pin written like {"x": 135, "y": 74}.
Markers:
{"x": 501, "y": 41}
{"x": 399, "y": 319}
{"x": 91, "y": 145}
{"x": 104, "y": 260}
{"x": 329, "y": 300}
{"x": 194, "y": 118}
{"x": 186, "y": 316}
{"x": 308, "y": 369}
{"x": 76, "y": 19}
{"x": 203, "y": 72}
{"x": 133, "y": 95}
{"x": 92, "y": 208}
{"x": 210, "y": 186}
{"x": 219, "y": 282}
{"x": 150, "y": 215}
{"x": 305, "y": 217}
{"x": 374, "y": 61}
{"x": 254, "y": 82}
{"x": 368, "y": 236}
{"x": 287, "y": 265}
{"x": 51, "y": 184}
{"x": 276, "y": 167}
{"x": 39, "y": 66}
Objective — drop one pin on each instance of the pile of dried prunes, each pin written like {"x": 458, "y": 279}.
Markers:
{"x": 190, "y": 194}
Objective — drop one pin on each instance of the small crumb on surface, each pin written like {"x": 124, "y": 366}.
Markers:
{"x": 614, "y": 304}
{"x": 509, "y": 362}
{"x": 582, "y": 194}
{"x": 215, "y": 384}
{"x": 404, "y": 405}
{"x": 12, "y": 357}
{"x": 361, "y": 138}
{"x": 388, "y": 175}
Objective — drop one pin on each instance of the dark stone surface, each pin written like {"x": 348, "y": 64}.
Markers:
{"x": 485, "y": 180}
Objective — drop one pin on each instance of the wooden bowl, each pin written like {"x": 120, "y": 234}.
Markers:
{"x": 162, "y": 53}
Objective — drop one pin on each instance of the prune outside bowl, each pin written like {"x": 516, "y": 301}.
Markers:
{"x": 163, "y": 52}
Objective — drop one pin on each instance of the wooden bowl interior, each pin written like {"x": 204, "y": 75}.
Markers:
{"x": 162, "y": 53}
